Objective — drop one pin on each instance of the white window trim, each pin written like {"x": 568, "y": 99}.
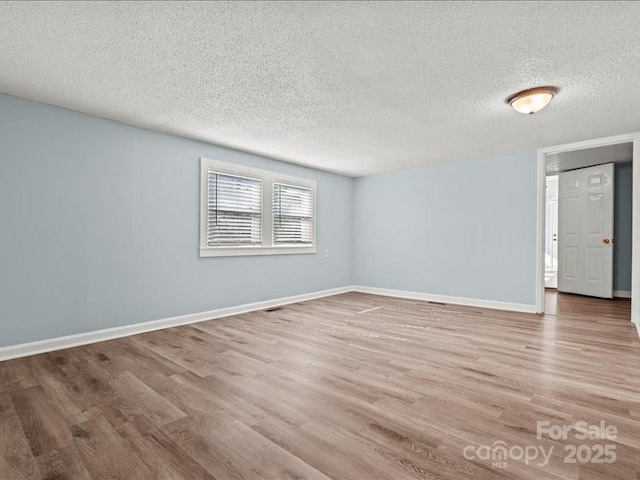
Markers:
{"x": 268, "y": 178}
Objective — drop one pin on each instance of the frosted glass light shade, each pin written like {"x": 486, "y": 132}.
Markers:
{"x": 533, "y": 100}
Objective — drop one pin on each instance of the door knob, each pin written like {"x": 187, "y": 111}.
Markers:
{"x": 606, "y": 240}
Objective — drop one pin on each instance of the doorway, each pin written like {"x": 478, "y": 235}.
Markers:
{"x": 623, "y": 153}
{"x": 551, "y": 233}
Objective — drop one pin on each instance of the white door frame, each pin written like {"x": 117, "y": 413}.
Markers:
{"x": 635, "y": 253}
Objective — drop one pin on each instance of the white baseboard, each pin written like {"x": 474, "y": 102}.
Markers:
{"x": 621, "y": 294}
{"x": 637, "y": 328}
{"x": 59, "y": 343}
{"x": 52, "y": 344}
{"x": 470, "y": 302}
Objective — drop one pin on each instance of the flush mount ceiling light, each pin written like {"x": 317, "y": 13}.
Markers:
{"x": 532, "y": 100}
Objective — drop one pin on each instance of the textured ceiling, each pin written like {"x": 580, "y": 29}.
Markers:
{"x": 350, "y": 87}
{"x": 588, "y": 157}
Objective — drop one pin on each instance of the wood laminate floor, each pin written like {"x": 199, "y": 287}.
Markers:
{"x": 351, "y": 387}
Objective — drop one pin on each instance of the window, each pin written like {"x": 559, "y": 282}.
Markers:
{"x": 292, "y": 215}
{"x": 246, "y": 211}
{"x": 234, "y": 210}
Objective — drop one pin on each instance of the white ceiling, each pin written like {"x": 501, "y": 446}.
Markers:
{"x": 588, "y": 157}
{"x": 350, "y": 87}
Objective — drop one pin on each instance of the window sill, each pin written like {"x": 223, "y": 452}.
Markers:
{"x": 248, "y": 251}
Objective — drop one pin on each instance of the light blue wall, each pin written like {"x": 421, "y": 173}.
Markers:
{"x": 464, "y": 229}
{"x": 623, "y": 194}
{"x": 100, "y": 228}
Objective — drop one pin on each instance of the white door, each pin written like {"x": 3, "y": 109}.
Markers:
{"x": 585, "y": 240}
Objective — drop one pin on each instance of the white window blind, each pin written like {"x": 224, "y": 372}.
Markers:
{"x": 234, "y": 210}
{"x": 292, "y": 215}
